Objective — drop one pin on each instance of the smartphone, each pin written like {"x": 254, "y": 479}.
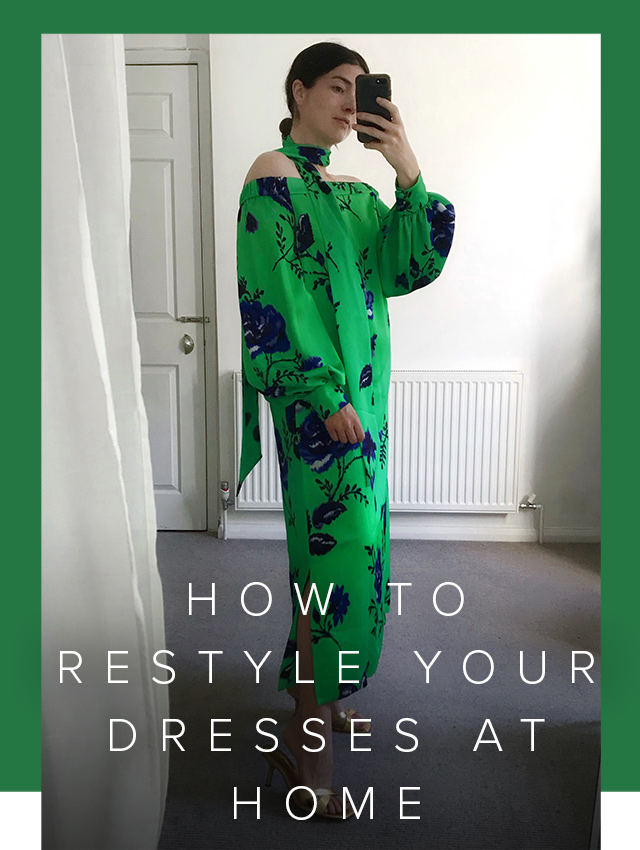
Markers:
{"x": 368, "y": 88}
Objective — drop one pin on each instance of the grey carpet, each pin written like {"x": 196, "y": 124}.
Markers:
{"x": 517, "y": 596}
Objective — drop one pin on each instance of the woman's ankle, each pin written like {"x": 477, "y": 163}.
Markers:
{"x": 319, "y": 717}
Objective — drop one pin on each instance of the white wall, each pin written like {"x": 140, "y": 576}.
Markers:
{"x": 167, "y": 41}
{"x": 507, "y": 127}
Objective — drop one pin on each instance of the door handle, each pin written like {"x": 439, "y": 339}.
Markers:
{"x": 188, "y": 343}
{"x": 201, "y": 319}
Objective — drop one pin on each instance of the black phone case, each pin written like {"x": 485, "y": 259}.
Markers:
{"x": 368, "y": 88}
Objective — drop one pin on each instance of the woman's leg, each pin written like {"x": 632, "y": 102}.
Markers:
{"x": 315, "y": 769}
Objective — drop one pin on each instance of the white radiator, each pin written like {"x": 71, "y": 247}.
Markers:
{"x": 453, "y": 444}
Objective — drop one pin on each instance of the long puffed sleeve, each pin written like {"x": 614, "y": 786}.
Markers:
{"x": 288, "y": 351}
{"x": 414, "y": 239}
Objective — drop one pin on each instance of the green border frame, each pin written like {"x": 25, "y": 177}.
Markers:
{"x": 20, "y": 588}
{"x": 20, "y": 620}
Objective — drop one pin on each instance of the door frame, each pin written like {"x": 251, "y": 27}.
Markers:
{"x": 199, "y": 57}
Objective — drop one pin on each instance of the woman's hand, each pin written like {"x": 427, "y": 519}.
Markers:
{"x": 344, "y": 425}
{"x": 391, "y": 141}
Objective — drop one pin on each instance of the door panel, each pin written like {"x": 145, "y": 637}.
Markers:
{"x": 166, "y": 264}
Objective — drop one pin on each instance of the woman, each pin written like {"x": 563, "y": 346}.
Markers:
{"x": 318, "y": 255}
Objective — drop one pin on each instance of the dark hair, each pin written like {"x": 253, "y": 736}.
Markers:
{"x": 314, "y": 62}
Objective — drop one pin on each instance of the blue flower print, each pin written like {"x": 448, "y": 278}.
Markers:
{"x": 290, "y": 417}
{"x": 368, "y": 446}
{"x": 402, "y": 280}
{"x": 366, "y": 376}
{"x": 276, "y": 188}
{"x": 291, "y": 412}
{"x": 441, "y": 218}
{"x": 251, "y": 224}
{"x": 338, "y": 604}
{"x": 264, "y": 328}
{"x": 312, "y": 154}
{"x": 311, "y": 363}
{"x": 368, "y": 295}
{"x": 315, "y": 446}
{"x": 348, "y": 688}
{"x": 283, "y": 462}
{"x": 273, "y": 391}
{"x": 304, "y": 234}
{"x": 377, "y": 573}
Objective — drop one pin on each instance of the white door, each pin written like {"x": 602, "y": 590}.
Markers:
{"x": 166, "y": 265}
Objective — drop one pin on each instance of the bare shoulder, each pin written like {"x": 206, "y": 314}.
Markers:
{"x": 271, "y": 164}
{"x": 347, "y": 178}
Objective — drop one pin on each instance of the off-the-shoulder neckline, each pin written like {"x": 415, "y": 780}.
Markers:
{"x": 299, "y": 183}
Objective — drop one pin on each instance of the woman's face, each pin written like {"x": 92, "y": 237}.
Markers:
{"x": 328, "y": 109}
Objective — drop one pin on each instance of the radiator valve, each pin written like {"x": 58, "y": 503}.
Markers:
{"x": 224, "y": 495}
{"x": 529, "y": 504}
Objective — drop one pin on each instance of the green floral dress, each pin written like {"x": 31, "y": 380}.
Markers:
{"x": 317, "y": 261}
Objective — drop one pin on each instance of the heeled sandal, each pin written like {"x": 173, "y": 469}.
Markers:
{"x": 341, "y": 721}
{"x": 278, "y": 760}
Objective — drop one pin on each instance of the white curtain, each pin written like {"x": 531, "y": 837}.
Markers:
{"x": 100, "y": 585}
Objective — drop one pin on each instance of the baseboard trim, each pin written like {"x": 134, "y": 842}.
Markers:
{"x": 407, "y": 528}
{"x": 571, "y": 535}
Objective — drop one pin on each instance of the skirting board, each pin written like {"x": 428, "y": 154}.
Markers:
{"x": 411, "y": 528}
{"x": 571, "y": 535}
